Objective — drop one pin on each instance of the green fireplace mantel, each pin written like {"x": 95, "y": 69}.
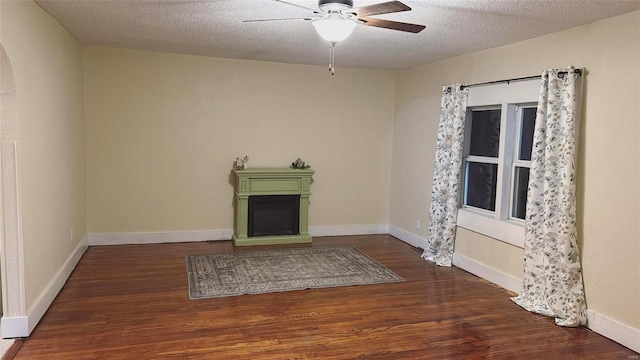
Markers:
{"x": 271, "y": 181}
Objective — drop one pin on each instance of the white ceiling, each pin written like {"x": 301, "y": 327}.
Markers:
{"x": 216, "y": 28}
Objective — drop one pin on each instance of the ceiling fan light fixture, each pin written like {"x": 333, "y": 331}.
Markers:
{"x": 334, "y": 28}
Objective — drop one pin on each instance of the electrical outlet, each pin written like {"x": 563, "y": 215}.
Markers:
{"x": 418, "y": 225}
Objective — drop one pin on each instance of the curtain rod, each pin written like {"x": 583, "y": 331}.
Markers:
{"x": 507, "y": 81}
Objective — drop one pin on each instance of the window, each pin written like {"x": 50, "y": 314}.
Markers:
{"x": 484, "y": 157}
{"x": 497, "y": 158}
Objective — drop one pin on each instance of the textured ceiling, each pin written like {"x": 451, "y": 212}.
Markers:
{"x": 216, "y": 28}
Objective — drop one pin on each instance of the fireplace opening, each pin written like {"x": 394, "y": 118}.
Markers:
{"x": 271, "y": 215}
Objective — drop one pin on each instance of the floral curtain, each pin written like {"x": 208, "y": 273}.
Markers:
{"x": 552, "y": 282}
{"x": 446, "y": 176}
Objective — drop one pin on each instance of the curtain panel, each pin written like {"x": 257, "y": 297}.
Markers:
{"x": 446, "y": 176}
{"x": 552, "y": 283}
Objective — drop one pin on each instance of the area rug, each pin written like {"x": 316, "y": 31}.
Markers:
{"x": 255, "y": 272}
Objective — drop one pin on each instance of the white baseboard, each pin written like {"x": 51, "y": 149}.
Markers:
{"x": 614, "y": 330}
{"x": 486, "y": 272}
{"x": 411, "y": 239}
{"x": 159, "y": 237}
{"x": 497, "y": 277}
{"x": 96, "y": 239}
{"x": 22, "y": 326}
{"x": 342, "y": 230}
{"x": 481, "y": 270}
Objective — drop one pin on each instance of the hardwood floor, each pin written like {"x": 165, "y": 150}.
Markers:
{"x": 131, "y": 302}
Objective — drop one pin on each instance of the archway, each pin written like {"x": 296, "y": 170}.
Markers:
{"x": 11, "y": 254}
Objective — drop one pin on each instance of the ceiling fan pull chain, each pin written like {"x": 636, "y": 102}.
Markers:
{"x": 332, "y": 52}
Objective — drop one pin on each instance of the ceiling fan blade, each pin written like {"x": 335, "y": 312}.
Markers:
{"x": 382, "y": 8}
{"x": 393, "y": 25}
{"x": 301, "y": 18}
{"x": 300, "y": 6}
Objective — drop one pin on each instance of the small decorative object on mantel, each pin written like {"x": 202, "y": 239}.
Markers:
{"x": 241, "y": 163}
{"x": 299, "y": 164}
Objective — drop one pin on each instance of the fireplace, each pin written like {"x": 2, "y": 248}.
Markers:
{"x": 271, "y": 215}
{"x": 271, "y": 206}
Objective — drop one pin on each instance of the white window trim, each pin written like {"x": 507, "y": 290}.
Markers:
{"x": 499, "y": 225}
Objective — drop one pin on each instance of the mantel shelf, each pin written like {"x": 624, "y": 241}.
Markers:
{"x": 267, "y": 172}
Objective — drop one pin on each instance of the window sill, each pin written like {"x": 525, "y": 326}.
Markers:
{"x": 503, "y": 230}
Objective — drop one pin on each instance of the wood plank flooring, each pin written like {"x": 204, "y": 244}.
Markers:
{"x": 131, "y": 302}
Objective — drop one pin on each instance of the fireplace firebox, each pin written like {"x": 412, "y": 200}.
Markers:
{"x": 271, "y": 215}
{"x": 271, "y": 206}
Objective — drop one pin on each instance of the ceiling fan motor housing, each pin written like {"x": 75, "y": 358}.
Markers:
{"x": 334, "y": 5}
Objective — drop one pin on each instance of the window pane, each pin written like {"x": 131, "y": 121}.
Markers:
{"x": 526, "y": 136}
{"x": 485, "y": 132}
{"x": 520, "y": 185}
{"x": 480, "y": 191}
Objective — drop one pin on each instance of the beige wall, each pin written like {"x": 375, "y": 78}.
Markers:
{"x": 48, "y": 70}
{"x": 164, "y": 129}
{"x": 608, "y": 173}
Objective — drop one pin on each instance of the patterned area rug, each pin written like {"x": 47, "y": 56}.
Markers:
{"x": 255, "y": 272}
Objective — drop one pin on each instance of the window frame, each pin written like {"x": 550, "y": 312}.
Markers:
{"x": 510, "y": 98}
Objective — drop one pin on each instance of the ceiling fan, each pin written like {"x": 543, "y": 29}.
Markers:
{"x": 335, "y": 20}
